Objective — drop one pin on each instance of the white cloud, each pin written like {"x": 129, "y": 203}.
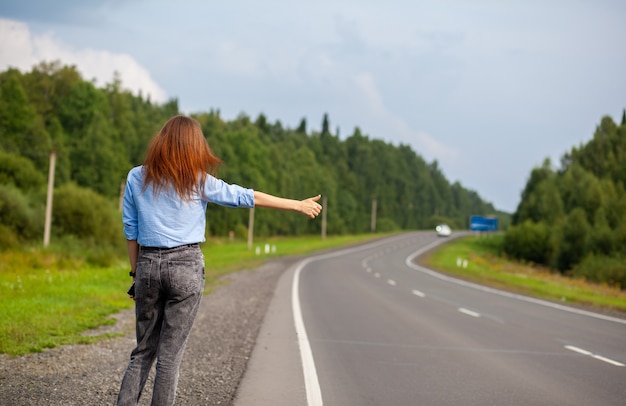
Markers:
{"x": 22, "y": 49}
{"x": 397, "y": 126}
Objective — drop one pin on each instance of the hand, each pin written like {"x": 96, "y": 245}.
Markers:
{"x": 309, "y": 207}
{"x": 131, "y": 291}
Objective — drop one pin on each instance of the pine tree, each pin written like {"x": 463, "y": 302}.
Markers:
{"x": 325, "y": 125}
{"x": 302, "y": 127}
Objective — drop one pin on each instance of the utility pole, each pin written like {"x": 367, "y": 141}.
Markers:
{"x": 373, "y": 225}
{"x": 250, "y": 228}
{"x": 48, "y": 219}
{"x": 324, "y": 210}
{"x": 122, "y": 188}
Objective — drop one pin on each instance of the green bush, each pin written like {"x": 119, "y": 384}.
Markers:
{"x": 86, "y": 215}
{"x": 603, "y": 269}
{"x": 17, "y": 215}
{"x": 19, "y": 171}
{"x": 619, "y": 239}
{"x": 528, "y": 241}
{"x": 602, "y": 240}
{"x": 574, "y": 243}
{"x": 386, "y": 225}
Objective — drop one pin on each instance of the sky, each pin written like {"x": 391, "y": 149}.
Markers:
{"x": 489, "y": 89}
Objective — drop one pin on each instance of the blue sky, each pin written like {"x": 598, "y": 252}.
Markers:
{"x": 487, "y": 88}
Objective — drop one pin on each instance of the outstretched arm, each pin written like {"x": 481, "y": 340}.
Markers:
{"x": 309, "y": 207}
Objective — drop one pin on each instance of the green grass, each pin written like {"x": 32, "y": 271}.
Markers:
{"x": 50, "y": 301}
{"x": 485, "y": 265}
{"x": 49, "y": 298}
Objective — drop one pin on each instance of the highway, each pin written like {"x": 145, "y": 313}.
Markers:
{"x": 368, "y": 326}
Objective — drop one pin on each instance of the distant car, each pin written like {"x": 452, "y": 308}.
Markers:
{"x": 443, "y": 230}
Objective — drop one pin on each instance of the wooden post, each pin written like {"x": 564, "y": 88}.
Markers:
{"x": 122, "y": 189}
{"x": 324, "y": 210}
{"x": 373, "y": 225}
{"x": 250, "y": 228}
{"x": 48, "y": 218}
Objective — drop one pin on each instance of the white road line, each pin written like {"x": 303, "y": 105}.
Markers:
{"x": 608, "y": 360}
{"x": 311, "y": 383}
{"x": 598, "y": 357}
{"x": 391, "y": 282}
{"x": 377, "y": 275}
{"x": 469, "y": 312}
{"x": 410, "y": 264}
{"x": 578, "y": 350}
{"x": 369, "y": 270}
{"x": 418, "y": 293}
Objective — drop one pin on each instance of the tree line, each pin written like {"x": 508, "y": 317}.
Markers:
{"x": 573, "y": 218}
{"x": 99, "y": 133}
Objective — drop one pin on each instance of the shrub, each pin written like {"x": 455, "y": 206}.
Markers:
{"x": 17, "y": 215}
{"x": 602, "y": 240}
{"x": 603, "y": 269}
{"x": 385, "y": 225}
{"x": 574, "y": 243}
{"x": 87, "y": 215}
{"x": 528, "y": 241}
{"x": 19, "y": 171}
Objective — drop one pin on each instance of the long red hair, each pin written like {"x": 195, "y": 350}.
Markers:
{"x": 179, "y": 156}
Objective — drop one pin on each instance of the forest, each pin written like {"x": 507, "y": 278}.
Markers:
{"x": 572, "y": 219}
{"x": 99, "y": 133}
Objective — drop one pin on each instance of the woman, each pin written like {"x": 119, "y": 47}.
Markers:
{"x": 164, "y": 211}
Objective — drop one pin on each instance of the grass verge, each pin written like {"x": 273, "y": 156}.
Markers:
{"x": 486, "y": 265}
{"x": 49, "y": 298}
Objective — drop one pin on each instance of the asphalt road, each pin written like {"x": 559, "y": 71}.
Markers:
{"x": 368, "y": 326}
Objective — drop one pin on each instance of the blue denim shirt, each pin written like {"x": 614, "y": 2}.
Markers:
{"x": 164, "y": 220}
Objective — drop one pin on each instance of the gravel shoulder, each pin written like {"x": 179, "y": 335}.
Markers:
{"x": 215, "y": 360}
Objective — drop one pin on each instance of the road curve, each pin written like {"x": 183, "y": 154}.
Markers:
{"x": 368, "y": 326}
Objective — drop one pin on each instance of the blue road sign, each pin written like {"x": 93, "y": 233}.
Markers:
{"x": 483, "y": 223}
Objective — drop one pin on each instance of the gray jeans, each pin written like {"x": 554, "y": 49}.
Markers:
{"x": 168, "y": 288}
